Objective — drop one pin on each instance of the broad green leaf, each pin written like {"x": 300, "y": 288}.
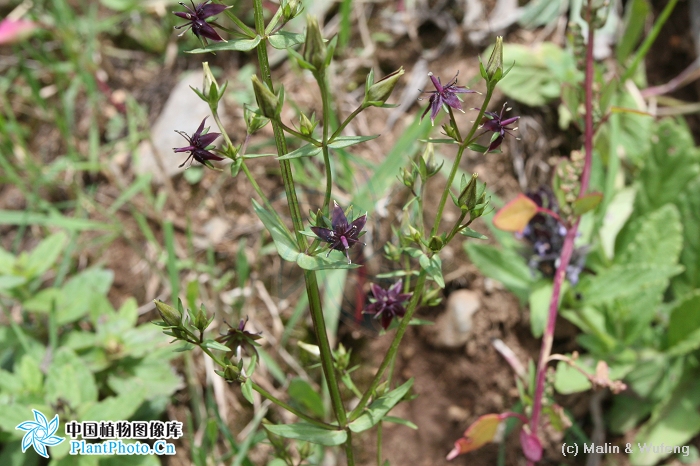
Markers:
{"x": 688, "y": 203}
{"x": 284, "y": 243}
{"x": 240, "y": 45}
{"x": 685, "y": 319}
{"x": 379, "y": 408}
{"x": 617, "y": 213}
{"x": 672, "y": 162}
{"x": 469, "y": 233}
{"x": 309, "y": 150}
{"x": 673, "y": 423}
{"x": 31, "y": 375}
{"x": 539, "y": 301}
{"x": 303, "y": 393}
{"x": 658, "y": 239}
{"x": 568, "y": 380}
{"x": 115, "y": 408}
{"x": 433, "y": 266}
{"x": 321, "y": 262}
{"x": 540, "y": 13}
{"x": 347, "y": 141}
{"x": 309, "y": 433}
{"x": 69, "y": 380}
{"x": 506, "y": 266}
{"x": 516, "y": 214}
{"x": 624, "y": 281}
{"x": 45, "y": 255}
{"x": 627, "y": 412}
{"x": 154, "y": 376}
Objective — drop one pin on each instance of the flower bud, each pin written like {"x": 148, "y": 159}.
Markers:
{"x": 253, "y": 120}
{"x": 169, "y": 314}
{"x": 407, "y": 178}
{"x": 376, "y": 94}
{"x": 291, "y": 9}
{"x": 211, "y": 87}
{"x": 232, "y": 373}
{"x": 436, "y": 243}
{"x": 305, "y": 450}
{"x": 467, "y": 198}
{"x": 201, "y": 322}
{"x": 267, "y": 101}
{"x": 494, "y": 68}
{"x": 307, "y": 126}
{"x": 314, "y": 47}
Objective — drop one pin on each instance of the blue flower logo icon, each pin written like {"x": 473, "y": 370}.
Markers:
{"x": 40, "y": 433}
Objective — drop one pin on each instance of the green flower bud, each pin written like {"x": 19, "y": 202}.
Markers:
{"x": 254, "y": 121}
{"x": 201, "y": 321}
{"x": 314, "y": 48}
{"x": 494, "y": 68}
{"x": 169, "y": 314}
{"x": 291, "y": 9}
{"x": 436, "y": 243}
{"x": 376, "y": 94}
{"x": 211, "y": 87}
{"x": 305, "y": 450}
{"x": 407, "y": 178}
{"x": 232, "y": 373}
{"x": 467, "y": 198}
{"x": 307, "y": 126}
{"x": 267, "y": 101}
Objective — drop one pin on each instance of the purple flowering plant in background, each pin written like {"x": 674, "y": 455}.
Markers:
{"x": 342, "y": 235}
{"x": 387, "y": 303}
{"x": 198, "y": 148}
{"x": 444, "y": 95}
{"x": 197, "y": 16}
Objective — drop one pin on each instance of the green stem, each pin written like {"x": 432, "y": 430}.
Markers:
{"x": 342, "y": 126}
{"x": 325, "y": 97}
{"x": 309, "y": 276}
{"x": 379, "y": 443}
{"x": 412, "y": 306}
{"x": 241, "y": 25}
{"x": 291, "y": 409}
{"x": 301, "y": 136}
{"x": 458, "y": 158}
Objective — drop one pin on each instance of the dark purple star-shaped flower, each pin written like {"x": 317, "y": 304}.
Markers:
{"x": 197, "y": 16}
{"x": 495, "y": 123}
{"x": 444, "y": 95}
{"x": 343, "y": 235}
{"x": 388, "y": 303}
{"x": 198, "y": 145}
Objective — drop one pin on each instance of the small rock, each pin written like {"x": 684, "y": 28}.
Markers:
{"x": 457, "y": 413}
{"x": 453, "y": 328}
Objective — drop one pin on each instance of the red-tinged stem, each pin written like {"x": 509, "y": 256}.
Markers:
{"x": 568, "y": 247}
{"x": 551, "y": 213}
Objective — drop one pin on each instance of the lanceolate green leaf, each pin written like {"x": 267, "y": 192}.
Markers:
{"x": 321, "y": 262}
{"x": 240, "y": 45}
{"x": 433, "y": 266}
{"x": 309, "y": 433}
{"x": 347, "y": 141}
{"x": 379, "y": 408}
{"x": 308, "y": 150}
{"x": 284, "y": 39}
{"x": 285, "y": 244}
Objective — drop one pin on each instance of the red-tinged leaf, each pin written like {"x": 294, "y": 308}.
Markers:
{"x": 481, "y": 432}
{"x": 515, "y": 215}
{"x": 587, "y": 203}
{"x": 532, "y": 448}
